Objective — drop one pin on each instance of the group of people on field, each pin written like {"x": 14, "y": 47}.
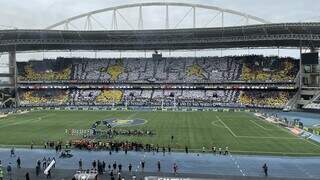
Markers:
{"x": 116, "y": 169}
{"x": 113, "y": 169}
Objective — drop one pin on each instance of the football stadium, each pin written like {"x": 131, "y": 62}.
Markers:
{"x": 116, "y": 92}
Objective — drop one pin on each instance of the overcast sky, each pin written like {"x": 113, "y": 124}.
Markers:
{"x": 38, "y": 14}
{"x": 42, "y": 13}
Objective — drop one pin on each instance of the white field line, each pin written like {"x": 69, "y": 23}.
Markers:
{"x": 132, "y": 115}
{"x": 253, "y": 121}
{"x": 259, "y": 125}
{"x": 198, "y": 150}
{"x": 299, "y": 137}
{"x": 317, "y": 145}
{"x": 267, "y": 137}
{"x": 36, "y": 119}
{"x": 274, "y": 125}
{"x": 265, "y": 152}
{"x": 251, "y": 137}
{"x": 275, "y": 152}
{"x": 214, "y": 123}
{"x": 233, "y": 134}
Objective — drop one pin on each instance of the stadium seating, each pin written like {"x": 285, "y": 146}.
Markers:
{"x": 109, "y": 96}
{"x": 186, "y": 98}
{"x": 44, "y": 97}
{"x": 46, "y": 70}
{"x": 173, "y": 69}
{"x": 180, "y": 70}
{"x": 264, "y": 98}
{"x": 259, "y": 68}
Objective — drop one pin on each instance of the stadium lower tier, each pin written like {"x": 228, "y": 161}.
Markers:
{"x": 189, "y": 98}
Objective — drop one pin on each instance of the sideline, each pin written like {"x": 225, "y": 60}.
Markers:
{"x": 32, "y": 120}
{"x": 182, "y": 150}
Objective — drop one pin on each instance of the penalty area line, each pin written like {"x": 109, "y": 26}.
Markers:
{"x": 214, "y": 123}
{"x": 233, "y": 134}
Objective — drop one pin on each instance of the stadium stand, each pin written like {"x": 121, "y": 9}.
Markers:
{"x": 177, "y": 71}
{"x": 46, "y": 70}
{"x": 165, "y": 70}
{"x": 44, "y": 97}
{"x": 265, "y": 99}
{"x": 259, "y": 68}
{"x": 159, "y": 97}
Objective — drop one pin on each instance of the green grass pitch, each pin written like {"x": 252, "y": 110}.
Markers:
{"x": 240, "y": 131}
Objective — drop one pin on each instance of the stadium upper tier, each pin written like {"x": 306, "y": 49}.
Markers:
{"x": 164, "y": 70}
{"x": 267, "y": 35}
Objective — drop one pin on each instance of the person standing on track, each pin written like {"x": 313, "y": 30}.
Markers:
{"x": 114, "y": 165}
{"x": 12, "y": 152}
{"x": 159, "y": 166}
{"x": 175, "y": 168}
{"x": 130, "y": 167}
{"x": 120, "y": 168}
{"x": 9, "y": 171}
{"x": 18, "y": 163}
{"x": 265, "y": 169}
{"x": 142, "y": 165}
{"x": 38, "y": 168}
{"x": 27, "y": 176}
{"x": 44, "y": 163}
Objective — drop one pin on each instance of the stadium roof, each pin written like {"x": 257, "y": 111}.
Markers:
{"x": 287, "y": 35}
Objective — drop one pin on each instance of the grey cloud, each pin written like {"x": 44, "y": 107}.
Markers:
{"x": 38, "y": 14}
{"x": 41, "y": 13}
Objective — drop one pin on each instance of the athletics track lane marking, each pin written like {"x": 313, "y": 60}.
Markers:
{"x": 237, "y": 164}
{"x": 304, "y": 171}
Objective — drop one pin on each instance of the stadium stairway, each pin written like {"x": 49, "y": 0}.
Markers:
{"x": 292, "y": 103}
{"x": 316, "y": 95}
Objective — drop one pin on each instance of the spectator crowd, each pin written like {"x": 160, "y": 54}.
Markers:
{"x": 182, "y": 70}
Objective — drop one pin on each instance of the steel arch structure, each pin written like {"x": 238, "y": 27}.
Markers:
{"x": 89, "y": 16}
{"x": 5, "y": 27}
